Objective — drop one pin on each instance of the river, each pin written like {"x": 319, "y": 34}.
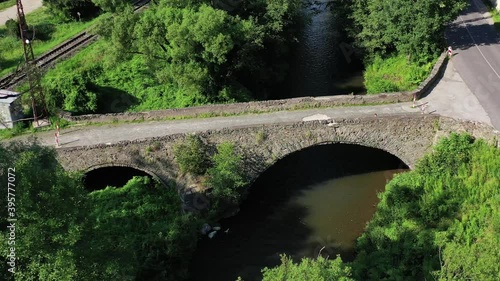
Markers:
{"x": 319, "y": 197}
{"x": 322, "y": 63}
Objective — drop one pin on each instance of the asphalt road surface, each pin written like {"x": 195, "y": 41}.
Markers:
{"x": 477, "y": 56}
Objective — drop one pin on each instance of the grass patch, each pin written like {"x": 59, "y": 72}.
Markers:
{"x": 7, "y": 4}
{"x": 111, "y": 87}
{"x": 395, "y": 74}
{"x": 49, "y": 32}
{"x": 22, "y": 128}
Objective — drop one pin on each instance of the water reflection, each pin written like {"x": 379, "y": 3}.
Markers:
{"x": 329, "y": 214}
{"x": 319, "y": 67}
{"x": 337, "y": 211}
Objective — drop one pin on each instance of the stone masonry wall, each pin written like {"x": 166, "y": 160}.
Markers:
{"x": 408, "y": 137}
{"x": 271, "y": 105}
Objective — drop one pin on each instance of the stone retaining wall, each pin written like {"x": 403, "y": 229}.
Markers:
{"x": 270, "y": 105}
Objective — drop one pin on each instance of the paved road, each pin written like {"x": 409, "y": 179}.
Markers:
{"x": 11, "y": 13}
{"x": 477, "y": 58}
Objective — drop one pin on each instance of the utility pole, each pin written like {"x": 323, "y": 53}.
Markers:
{"x": 32, "y": 72}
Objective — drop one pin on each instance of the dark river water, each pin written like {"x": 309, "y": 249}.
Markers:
{"x": 320, "y": 197}
{"x": 322, "y": 63}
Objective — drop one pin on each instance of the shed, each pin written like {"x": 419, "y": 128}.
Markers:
{"x": 10, "y": 108}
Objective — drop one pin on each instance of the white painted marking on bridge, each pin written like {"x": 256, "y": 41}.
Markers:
{"x": 316, "y": 117}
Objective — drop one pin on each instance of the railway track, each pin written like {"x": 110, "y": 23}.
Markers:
{"x": 63, "y": 50}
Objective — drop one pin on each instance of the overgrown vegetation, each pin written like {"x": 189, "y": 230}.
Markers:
{"x": 48, "y": 33}
{"x": 140, "y": 233}
{"x": 82, "y": 86}
{"x": 129, "y": 233}
{"x": 441, "y": 220}
{"x": 394, "y": 74}
{"x": 400, "y": 36}
{"x": 192, "y": 155}
{"x": 223, "y": 171}
{"x": 178, "y": 54}
{"x": 438, "y": 222}
{"x": 72, "y": 9}
{"x": 226, "y": 177}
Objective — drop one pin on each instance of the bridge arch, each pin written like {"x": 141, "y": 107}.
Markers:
{"x": 139, "y": 169}
{"x": 396, "y": 160}
{"x": 354, "y": 143}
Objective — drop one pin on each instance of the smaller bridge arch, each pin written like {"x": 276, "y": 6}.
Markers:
{"x": 142, "y": 170}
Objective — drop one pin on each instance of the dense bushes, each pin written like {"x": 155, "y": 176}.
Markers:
{"x": 72, "y": 90}
{"x": 13, "y": 28}
{"x": 223, "y": 171}
{"x": 69, "y": 9}
{"x": 226, "y": 177}
{"x": 319, "y": 269}
{"x": 446, "y": 210}
{"x": 51, "y": 206}
{"x": 394, "y": 74}
{"x": 438, "y": 222}
{"x": 409, "y": 28}
{"x": 386, "y": 30}
{"x": 191, "y": 155}
{"x": 137, "y": 232}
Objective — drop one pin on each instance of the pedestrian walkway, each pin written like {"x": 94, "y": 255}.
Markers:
{"x": 11, "y": 13}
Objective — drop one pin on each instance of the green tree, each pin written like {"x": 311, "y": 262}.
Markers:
{"x": 411, "y": 28}
{"x": 113, "y": 6}
{"x": 440, "y": 220}
{"x": 50, "y": 207}
{"x": 203, "y": 49}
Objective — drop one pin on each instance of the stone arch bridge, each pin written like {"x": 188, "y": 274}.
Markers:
{"x": 407, "y": 137}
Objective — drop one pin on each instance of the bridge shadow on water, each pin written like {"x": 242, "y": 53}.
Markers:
{"x": 269, "y": 222}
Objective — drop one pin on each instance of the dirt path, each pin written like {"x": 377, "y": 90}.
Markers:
{"x": 11, "y": 13}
